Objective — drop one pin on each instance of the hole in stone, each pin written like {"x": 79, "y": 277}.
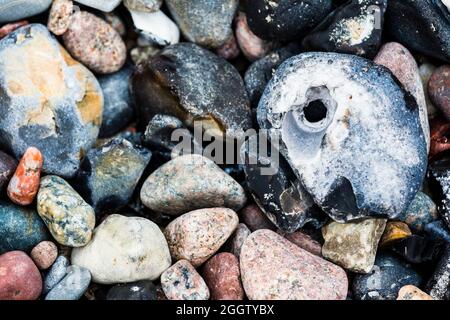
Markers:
{"x": 315, "y": 111}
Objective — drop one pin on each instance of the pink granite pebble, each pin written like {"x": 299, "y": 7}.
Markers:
{"x": 44, "y": 254}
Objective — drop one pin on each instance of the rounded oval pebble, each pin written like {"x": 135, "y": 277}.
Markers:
{"x": 439, "y": 89}
{"x": 44, "y": 254}
{"x": 60, "y": 16}
{"x": 19, "y": 277}
{"x": 182, "y": 282}
{"x": 421, "y": 211}
{"x": 72, "y": 286}
{"x": 410, "y": 292}
{"x": 95, "y": 43}
{"x": 238, "y": 238}
{"x": 139, "y": 290}
{"x": 20, "y": 228}
{"x": 191, "y": 182}
{"x": 223, "y": 277}
{"x": 124, "y": 250}
{"x": 255, "y": 219}
{"x": 197, "y": 235}
{"x": 69, "y": 218}
{"x": 56, "y": 273}
{"x": 273, "y": 268}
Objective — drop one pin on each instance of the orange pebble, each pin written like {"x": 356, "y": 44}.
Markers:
{"x": 24, "y": 184}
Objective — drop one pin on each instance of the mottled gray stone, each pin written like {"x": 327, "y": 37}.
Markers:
{"x": 55, "y": 274}
{"x": 103, "y": 5}
{"x": 143, "y": 5}
{"x": 72, "y": 286}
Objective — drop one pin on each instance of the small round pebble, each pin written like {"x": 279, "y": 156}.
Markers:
{"x": 60, "y": 16}
{"x": 44, "y": 254}
{"x": 439, "y": 89}
{"x": 410, "y": 292}
{"x": 223, "y": 277}
{"x": 238, "y": 238}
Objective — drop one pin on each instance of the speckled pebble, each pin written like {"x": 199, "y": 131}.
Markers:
{"x": 72, "y": 286}
{"x": 410, "y": 292}
{"x": 60, "y": 16}
{"x": 44, "y": 254}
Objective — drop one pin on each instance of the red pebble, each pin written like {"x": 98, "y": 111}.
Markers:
{"x": 223, "y": 277}
{"x": 19, "y": 277}
{"x": 255, "y": 219}
{"x": 24, "y": 184}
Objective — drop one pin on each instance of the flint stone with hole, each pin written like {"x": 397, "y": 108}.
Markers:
{"x": 350, "y": 132}
{"x": 48, "y": 100}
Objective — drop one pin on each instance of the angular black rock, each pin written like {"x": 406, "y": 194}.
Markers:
{"x": 438, "y": 230}
{"x": 285, "y": 19}
{"x": 280, "y": 196}
{"x": 416, "y": 249}
{"x": 388, "y": 275}
{"x": 340, "y": 118}
{"x": 191, "y": 83}
{"x": 261, "y": 71}
{"x": 420, "y": 25}
{"x": 440, "y": 175}
{"x": 118, "y": 110}
{"x": 139, "y": 290}
{"x": 109, "y": 174}
{"x": 354, "y": 28}
{"x": 438, "y": 286}
{"x": 8, "y": 166}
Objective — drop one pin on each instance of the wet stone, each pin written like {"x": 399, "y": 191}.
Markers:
{"x": 69, "y": 218}
{"x": 192, "y": 84}
{"x": 20, "y": 228}
{"x": 124, "y": 250}
{"x": 56, "y": 273}
{"x": 412, "y": 293}
{"x": 353, "y": 245}
{"x": 95, "y": 43}
{"x": 354, "y": 28}
{"x": 223, "y": 277}
{"x": 190, "y": 182}
{"x": 44, "y": 254}
{"x": 326, "y": 134}
{"x": 39, "y": 70}
{"x": 420, "y": 25}
{"x": 60, "y": 16}
{"x": 182, "y": 282}
{"x": 143, "y": 5}
{"x": 276, "y": 269}
{"x": 12, "y": 10}
{"x": 139, "y": 290}
{"x": 72, "y": 286}
{"x": 389, "y": 274}
{"x": 109, "y": 174}
{"x": 421, "y": 211}
{"x": 285, "y": 19}
{"x": 19, "y": 277}
{"x": 417, "y": 249}
{"x": 197, "y": 235}
{"x": 438, "y": 287}
{"x": 118, "y": 110}
{"x": 394, "y": 231}
{"x": 439, "y": 89}
{"x": 8, "y": 166}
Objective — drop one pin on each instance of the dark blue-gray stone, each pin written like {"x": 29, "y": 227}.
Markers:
{"x": 339, "y": 118}
{"x": 139, "y": 290}
{"x": 388, "y": 275}
{"x": 118, "y": 110}
{"x": 438, "y": 230}
{"x": 72, "y": 286}
{"x": 20, "y": 228}
{"x": 56, "y": 273}
{"x": 438, "y": 286}
{"x": 421, "y": 211}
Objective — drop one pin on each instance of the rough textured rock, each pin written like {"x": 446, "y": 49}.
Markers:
{"x": 182, "y": 282}
{"x": 8, "y": 166}
{"x": 143, "y": 5}
{"x": 285, "y": 19}
{"x": 394, "y": 231}
{"x": 355, "y": 28}
{"x": 50, "y": 101}
{"x": 56, "y": 273}
{"x": 323, "y": 107}
{"x": 274, "y": 268}
{"x": 190, "y": 182}
{"x": 410, "y": 292}
{"x": 212, "y": 32}
{"x": 353, "y": 245}
{"x": 124, "y": 250}
{"x": 421, "y": 212}
{"x": 109, "y": 174}
{"x": 439, "y": 285}
{"x": 255, "y": 219}
{"x": 223, "y": 277}
{"x": 439, "y": 89}
{"x": 60, "y": 16}
{"x": 238, "y": 239}
{"x": 192, "y": 84}
{"x": 139, "y": 290}
{"x": 197, "y": 235}
{"x": 20, "y": 228}
{"x": 19, "y": 277}
{"x": 387, "y": 277}
{"x": 402, "y": 64}
{"x": 44, "y": 254}
{"x": 12, "y": 10}
{"x": 118, "y": 111}
{"x": 72, "y": 286}
{"x": 69, "y": 218}
{"x": 95, "y": 43}
{"x": 102, "y": 5}
{"x": 420, "y": 25}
